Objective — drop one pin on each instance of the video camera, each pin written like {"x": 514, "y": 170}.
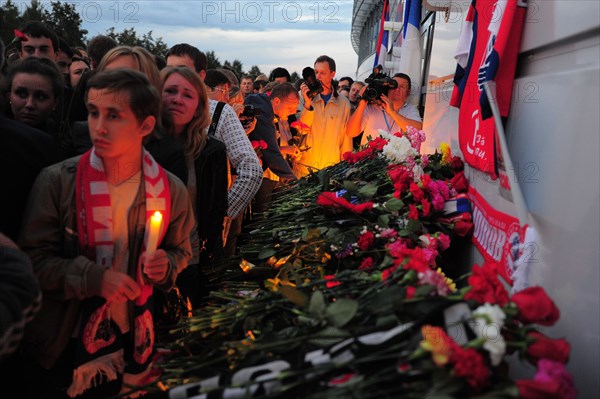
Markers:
{"x": 378, "y": 83}
{"x": 248, "y": 114}
{"x": 250, "y": 111}
{"x": 314, "y": 86}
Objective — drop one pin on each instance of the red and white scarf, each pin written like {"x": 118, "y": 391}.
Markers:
{"x": 100, "y": 350}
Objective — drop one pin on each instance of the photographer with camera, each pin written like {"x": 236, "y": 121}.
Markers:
{"x": 273, "y": 111}
{"x": 383, "y": 106}
{"x": 326, "y": 113}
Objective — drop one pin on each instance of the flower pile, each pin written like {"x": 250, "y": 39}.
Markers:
{"x": 348, "y": 289}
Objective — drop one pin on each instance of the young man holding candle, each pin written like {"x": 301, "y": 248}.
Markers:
{"x": 96, "y": 252}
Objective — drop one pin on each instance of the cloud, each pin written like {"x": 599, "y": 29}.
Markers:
{"x": 293, "y": 49}
{"x": 266, "y": 33}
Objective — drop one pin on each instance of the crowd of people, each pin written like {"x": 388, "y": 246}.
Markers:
{"x": 94, "y": 142}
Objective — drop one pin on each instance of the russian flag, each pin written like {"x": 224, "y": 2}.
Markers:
{"x": 382, "y": 39}
{"x": 410, "y": 53}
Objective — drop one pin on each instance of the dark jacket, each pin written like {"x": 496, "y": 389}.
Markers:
{"x": 265, "y": 130}
{"x": 24, "y": 152}
{"x": 211, "y": 185}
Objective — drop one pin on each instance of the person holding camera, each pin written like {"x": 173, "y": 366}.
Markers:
{"x": 271, "y": 121}
{"x": 389, "y": 112}
{"x": 326, "y": 113}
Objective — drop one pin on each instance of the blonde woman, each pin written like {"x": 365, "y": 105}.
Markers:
{"x": 185, "y": 100}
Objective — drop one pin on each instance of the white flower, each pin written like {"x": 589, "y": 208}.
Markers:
{"x": 487, "y": 322}
{"x": 417, "y": 172}
{"x": 399, "y": 149}
{"x": 425, "y": 240}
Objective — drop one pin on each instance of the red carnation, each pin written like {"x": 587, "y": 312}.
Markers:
{"x": 401, "y": 177}
{"x": 535, "y": 306}
{"x": 486, "y": 287}
{"x": 331, "y": 281}
{"x": 20, "y": 35}
{"x": 456, "y": 163}
{"x": 366, "y": 264}
{"x": 426, "y": 207}
{"x": 413, "y": 212}
{"x": 469, "y": 363}
{"x": 366, "y": 240}
{"x": 416, "y": 192}
{"x": 548, "y": 348}
{"x": 378, "y": 143}
{"x": 530, "y": 389}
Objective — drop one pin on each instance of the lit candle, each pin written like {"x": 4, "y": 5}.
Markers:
{"x": 153, "y": 233}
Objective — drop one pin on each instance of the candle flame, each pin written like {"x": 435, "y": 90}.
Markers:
{"x": 157, "y": 217}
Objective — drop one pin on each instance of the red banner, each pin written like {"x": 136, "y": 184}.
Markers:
{"x": 491, "y": 48}
{"x": 496, "y": 235}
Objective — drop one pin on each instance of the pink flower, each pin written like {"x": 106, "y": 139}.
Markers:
{"x": 549, "y": 370}
{"x": 444, "y": 241}
{"x": 430, "y": 277}
{"x": 388, "y": 233}
{"x": 399, "y": 249}
{"x": 438, "y": 203}
{"x": 429, "y": 255}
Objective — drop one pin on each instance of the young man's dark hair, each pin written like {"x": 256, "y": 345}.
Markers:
{"x": 215, "y": 78}
{"x": 259, "y": 84}
{"x": 161, "y": 62}
{"x": 98, "y": 47}
{"x": 143, "y": 97}
{"x": 403, "y": 76}
{"x": 349, "y": 79}
{"x": 197, "y": 56}
{"x": 283, "y": 90}
{"x": 280, "y": 72}
{"x": 65, "y": 47}
{"x": 39, "y": 29}
{"x": 327, "y": 59}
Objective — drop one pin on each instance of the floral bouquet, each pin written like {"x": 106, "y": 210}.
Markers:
{"x": 299, "y": 139}
{"x": 347, "y": 290}
{"x": 258, "y": 146}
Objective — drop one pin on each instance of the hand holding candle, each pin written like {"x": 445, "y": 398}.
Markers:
{"x": 153, "y": 234}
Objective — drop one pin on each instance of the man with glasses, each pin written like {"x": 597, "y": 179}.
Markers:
{"x": 391, "y": 113}
{"x": 218, "y": 85}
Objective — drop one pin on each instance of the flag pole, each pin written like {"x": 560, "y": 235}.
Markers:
{"x": 519, "y": 199}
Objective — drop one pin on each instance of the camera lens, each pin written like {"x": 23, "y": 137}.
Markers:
{"x": 371, "y": 94}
